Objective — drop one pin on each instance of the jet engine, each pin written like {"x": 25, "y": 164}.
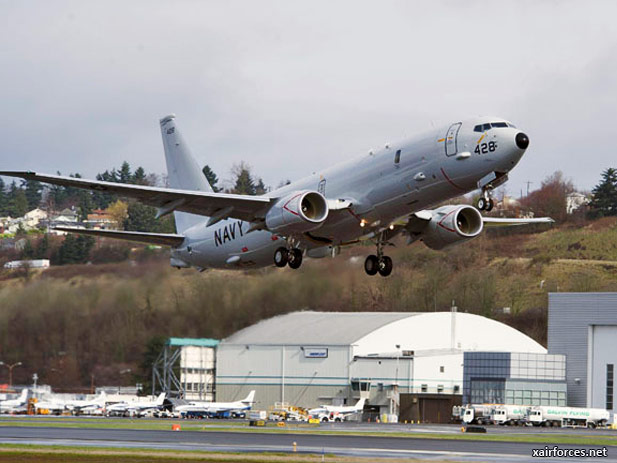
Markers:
{"x": 451, "y": 225}
{"x": 298, "y": 212}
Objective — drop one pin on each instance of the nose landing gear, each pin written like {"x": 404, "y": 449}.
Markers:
{"x": 378, "y": 263}
{"x": 291, "y": 257}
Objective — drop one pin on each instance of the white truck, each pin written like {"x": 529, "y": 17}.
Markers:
{"x": 507, "y": 415}
{"x": 478, "y": 414}
{"x": 568, "y": 416}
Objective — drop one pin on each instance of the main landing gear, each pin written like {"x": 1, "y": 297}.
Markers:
{"x": 291, "y": 257}
{"x": 378, "y": 264}
{"x": 486, "y": 203}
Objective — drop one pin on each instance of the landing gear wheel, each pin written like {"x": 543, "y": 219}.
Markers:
{"x": 489, "y": 205}
{"x": 482, "y": 203}
{"x": 295, "y": 258}
{"x": 371, "y": 265}
{"x": 385, "y": 266}
{"x": 281, "y": 257}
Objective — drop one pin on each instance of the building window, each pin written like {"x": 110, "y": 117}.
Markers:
{"x": 424, "y": 388}
{"x": 457, "y": 388}
{"x": 609, "y": 385}
{"x": 439, "y": 388}
{"x": 441, "y": 369}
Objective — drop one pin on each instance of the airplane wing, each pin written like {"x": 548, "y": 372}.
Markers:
{"x": 162, "y": 239}
{"x": 501, "y": 222}
{"x": 242, "y": 207}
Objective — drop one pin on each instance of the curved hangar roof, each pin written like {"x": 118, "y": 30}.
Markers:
{"x": 381, "y": 332}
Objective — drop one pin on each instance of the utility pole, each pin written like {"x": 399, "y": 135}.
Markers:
{"x": 528, "y": 183}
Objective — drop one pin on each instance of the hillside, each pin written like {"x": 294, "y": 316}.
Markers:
{"x": 75, "y": 322}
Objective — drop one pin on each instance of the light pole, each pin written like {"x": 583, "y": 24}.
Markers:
{"x": 10, "y": 367}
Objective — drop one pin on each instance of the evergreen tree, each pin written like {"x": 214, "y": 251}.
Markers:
{"x": 124, "y": 175}
{"x": 18, "y": 203}
{"x": 33, "y": 191}
{"x": 244, "y": 183}
{"x": 74, "y": 250}
{"x": 28, "y": 251}
{"x": 140, "y": 218}
{"x": 604, "y": 200}
{"x": 4, "y": 202}
{"x": 260, "y": 188}
{"x": 58, "y": 194}
{"x": 139, "y": 177}
{"x": 42, "y": 247}
{"x": 211, "y": 177}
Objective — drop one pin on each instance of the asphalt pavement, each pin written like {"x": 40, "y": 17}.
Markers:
{"x": 221, "y": 441}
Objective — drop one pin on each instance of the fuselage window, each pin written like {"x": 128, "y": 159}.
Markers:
{"x": 397, "y": 157}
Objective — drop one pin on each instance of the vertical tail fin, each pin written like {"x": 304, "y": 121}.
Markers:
{"x": 249, "y": 399}
{"x": 360, "y": 404}
{"x": 161, "y": 398}
{"x": 183, "y": 172}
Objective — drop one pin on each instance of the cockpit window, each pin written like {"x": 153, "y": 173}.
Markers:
{"x": 485, "y": 127}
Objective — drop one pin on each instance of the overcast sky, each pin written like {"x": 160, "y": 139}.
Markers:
{"x": 291, "y": 87}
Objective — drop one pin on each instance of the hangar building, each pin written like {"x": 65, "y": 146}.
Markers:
{"x": 397, "y": 360}
{"x": 583, "y": 326}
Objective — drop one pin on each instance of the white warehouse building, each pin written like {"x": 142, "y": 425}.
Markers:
{"x": 394, "y": 359}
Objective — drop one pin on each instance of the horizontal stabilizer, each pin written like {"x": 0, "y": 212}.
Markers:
{"x": 162, "y": 239}
{"x": 502, "y": 222}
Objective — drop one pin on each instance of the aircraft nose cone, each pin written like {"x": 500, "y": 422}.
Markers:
{"x": 522, "y": 140}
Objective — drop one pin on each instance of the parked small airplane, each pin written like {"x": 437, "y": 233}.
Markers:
{"x": 13, "y": 404}
{"x": 213, "y": 408}
{"x": 53, "y": 406}
{"x": 78, "y": 406}
{"x": 337, "y": 413}
{"x": 136, "y": 408}
{"x": 373, "y": 197}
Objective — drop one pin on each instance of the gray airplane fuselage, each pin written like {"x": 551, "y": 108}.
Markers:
{"x": 383, "y": 186}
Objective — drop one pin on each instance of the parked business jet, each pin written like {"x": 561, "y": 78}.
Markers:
{"x": 136, "y": 408}
{"x": 79, "y": 406}
{"x": 374, "y": 197}
{"x": 12, "y": 404}
{"x": 337, "y": 413}
{"x": 213, "y": 408}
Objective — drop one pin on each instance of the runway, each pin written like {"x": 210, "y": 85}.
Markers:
{"x": 216, "y": 441}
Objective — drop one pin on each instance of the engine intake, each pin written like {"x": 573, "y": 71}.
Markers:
{"x": 452, "y": 225}
{"x": 298, "y": 212}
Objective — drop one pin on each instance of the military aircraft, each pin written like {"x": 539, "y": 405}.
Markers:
{"x": 215, "y": 408}
{"x": 375, "y": 197}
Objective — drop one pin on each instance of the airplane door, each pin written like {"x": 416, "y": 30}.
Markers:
{"x": 451, "y": 139}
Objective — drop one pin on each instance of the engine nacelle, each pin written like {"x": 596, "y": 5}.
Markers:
{"x": 452, "y": 225}
{"x": 298, "y": 212}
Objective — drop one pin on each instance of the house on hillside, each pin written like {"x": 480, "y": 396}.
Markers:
{"x": 100, "y": 219}
{"x": 33, "y": 218}
{"x": 574, "y": 201}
